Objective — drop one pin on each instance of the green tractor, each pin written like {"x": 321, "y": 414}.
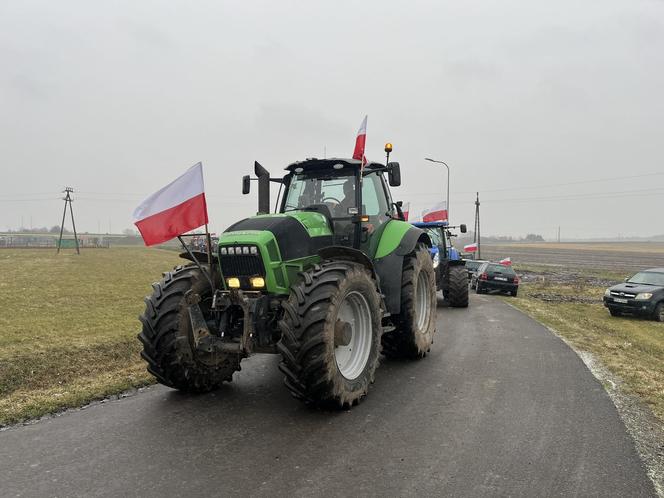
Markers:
{"x": 330, "y": 281}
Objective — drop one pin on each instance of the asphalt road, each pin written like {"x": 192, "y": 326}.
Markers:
{"x": 500, "y": 407}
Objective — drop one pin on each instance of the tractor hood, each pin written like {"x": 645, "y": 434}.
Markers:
{"x": 298, "y": 233}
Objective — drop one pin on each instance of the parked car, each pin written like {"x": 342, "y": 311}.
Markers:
{"x": 472, "y": 265}
{"x": 494, "y": 276}
{"x": 641, "y": 294}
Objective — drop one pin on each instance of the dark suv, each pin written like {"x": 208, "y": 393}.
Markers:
{"x": 494, "y": 276}
{"x": 641, "y": 294}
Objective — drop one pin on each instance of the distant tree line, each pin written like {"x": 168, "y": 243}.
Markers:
{"x": 531, "y": 237}
{"x": 54, "y": 229}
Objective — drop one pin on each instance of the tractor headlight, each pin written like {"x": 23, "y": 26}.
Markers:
{"x": 233, "y": 282}
{"x": 257, "y": 282}
{"x": 643, "y": 296}
{"x": 436, "y": 260}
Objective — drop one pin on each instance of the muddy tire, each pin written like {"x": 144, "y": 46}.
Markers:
{"x": 330, "y": 335}
{"x": 478, "y": 289}
{"x": 167, "y": 339}
{"x": 614, "y": 312}
{"x": 514, "y": 293}
{"x": 458, "y": 287}
{"x": 416, "y": 324}
{"x": 659, "y": 312}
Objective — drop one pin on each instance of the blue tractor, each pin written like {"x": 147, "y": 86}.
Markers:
{"x": 451, "y": 275}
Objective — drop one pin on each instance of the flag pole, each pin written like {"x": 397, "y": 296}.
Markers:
{"x": 209, "y": 254}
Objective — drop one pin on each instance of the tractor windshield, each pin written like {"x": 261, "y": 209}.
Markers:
{"x": 337, "y": 192}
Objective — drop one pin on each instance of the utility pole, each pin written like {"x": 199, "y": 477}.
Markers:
{"x": 558, "y": 234}
{"x": 68, "y": 200}
{"x": 476, "y": 235}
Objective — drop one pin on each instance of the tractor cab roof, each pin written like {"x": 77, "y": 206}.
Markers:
{"x": 430, "y": 224}
{"x": 313, "y": 164}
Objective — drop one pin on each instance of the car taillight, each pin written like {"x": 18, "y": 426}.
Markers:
{"x": 516, "y": 279}
{"x": 484, "y": 276}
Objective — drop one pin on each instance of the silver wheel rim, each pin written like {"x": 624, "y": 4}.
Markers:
{"x": 422, "y": 301}
{"x": 352, "y": 358}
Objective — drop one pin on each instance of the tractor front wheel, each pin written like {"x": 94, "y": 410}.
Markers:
{"x": 330, "y": 335}
{"x": 416, "y": 324}
{"x": 167, "y": 338}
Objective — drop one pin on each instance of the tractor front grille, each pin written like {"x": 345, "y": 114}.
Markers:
{"x": 241, "y": 261}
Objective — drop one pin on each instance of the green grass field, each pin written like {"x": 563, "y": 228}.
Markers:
{"x": 632, "y": 348}
{"x": 68, "y": 326}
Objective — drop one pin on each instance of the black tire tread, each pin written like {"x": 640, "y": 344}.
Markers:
{"x": 402, "y": 342}
{"x": 165, "y": 336}
{"x": 306, "y": 347}
{"x": 458, "y": 287}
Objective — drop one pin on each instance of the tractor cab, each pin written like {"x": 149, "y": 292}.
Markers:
{"x": 354, "y": 200}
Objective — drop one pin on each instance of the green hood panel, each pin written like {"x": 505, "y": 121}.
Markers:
{"x": 315, "y": 223}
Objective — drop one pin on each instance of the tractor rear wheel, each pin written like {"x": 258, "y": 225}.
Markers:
{"x": 458, "y": 285}
{"x": 167, "y": 338}
{"x": 416, "y": 324}
{"x": 330, "y": 335}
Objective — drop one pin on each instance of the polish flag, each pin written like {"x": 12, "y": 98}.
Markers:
{"x": 470, "y": 247}
{"x": 173, "y": 210}
{"x": 360, "y": 141}
{"x": 405, "y": 210}
{"x": 436, "y": 213}
{"x": 506, "y": 262}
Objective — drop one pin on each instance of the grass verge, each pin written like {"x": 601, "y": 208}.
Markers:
{"x": 68, "y": 326}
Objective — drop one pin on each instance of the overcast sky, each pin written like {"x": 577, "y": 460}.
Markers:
{"x": 553, "y": 111}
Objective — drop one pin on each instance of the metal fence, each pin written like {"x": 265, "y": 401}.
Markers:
{"x": 22, "y": 241}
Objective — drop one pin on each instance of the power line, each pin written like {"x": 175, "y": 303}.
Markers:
{"x": 32, "y": 200}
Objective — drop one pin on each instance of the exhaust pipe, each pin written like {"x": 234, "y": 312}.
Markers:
{"x": 263, "y": 188}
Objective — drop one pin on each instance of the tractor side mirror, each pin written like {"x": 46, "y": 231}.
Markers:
{"x": 394, "y": 174}
{"x": 463, "y": 228}
{"x": 246, "y": 184}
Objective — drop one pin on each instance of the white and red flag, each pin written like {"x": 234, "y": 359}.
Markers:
{"x": 506, "y": 262}
{"x": 436, "y": 213}
{"x": 360, "y": 142}
{"x": 406, "y": 211}
{"x": 173, "y": 210}
{"x": 470, "y": 247}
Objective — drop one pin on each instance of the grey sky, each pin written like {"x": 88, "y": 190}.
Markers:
{"x": 117, "y": 98}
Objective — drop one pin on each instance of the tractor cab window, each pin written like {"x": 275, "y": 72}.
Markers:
{"x": 435, "y": 236}
{"x": 375, "y": 201}
{"x": 330, "y": 193}
{"x": 337, "y": 192}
